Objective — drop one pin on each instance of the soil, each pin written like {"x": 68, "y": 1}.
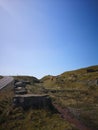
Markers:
{"x": 67, "y": 115}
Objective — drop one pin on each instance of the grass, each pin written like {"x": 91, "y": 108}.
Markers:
{"x": 31, "y": 79}
{"x": 75, "y": 90}
{"x": 18, "y": 119}
{"x": 79, "y": 93}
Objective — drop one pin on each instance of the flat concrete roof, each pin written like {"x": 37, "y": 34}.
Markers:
{"x": 31, "y": 95}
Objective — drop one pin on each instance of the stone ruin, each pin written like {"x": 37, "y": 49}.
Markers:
{"x": 20, "y": 87}
{"x": 26, "y": 101}
{"x": 32, "y": 101}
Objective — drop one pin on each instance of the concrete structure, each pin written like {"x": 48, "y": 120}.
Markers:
{"x": 20, "y": 83}
{"x": 20, "y": 90}
{"x": 20, "y": 87}
{"x": 31, "y": 100}
{"x": 5, "y": 81}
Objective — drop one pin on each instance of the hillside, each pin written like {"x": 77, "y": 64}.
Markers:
{"x": 67, "y": 78}
{"x": 16, "y": 118}
{"x": 31, "y": 79}
{"x": 75, "y": 90}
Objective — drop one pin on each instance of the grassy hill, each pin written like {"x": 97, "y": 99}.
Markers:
{"x": 67, "y": 78}
{"x": 12, "y": 118}
{"x": 33, "y": 119}
{"x": 31, "y": 79}
{"x": 77, "y": 90}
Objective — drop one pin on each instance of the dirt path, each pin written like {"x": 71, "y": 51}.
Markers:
{"x": 70, "y": 118}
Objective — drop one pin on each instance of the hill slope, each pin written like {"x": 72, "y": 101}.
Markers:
{"x": 75, "y": 90}
{"x": 72, "y": 78}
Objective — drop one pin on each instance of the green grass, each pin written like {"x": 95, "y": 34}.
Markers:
{"x": 75, "y": 90}
{"x": 79, "y": 92}
{"x": 18, "y": 119}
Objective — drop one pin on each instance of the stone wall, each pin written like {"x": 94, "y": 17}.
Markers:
{"x": 34, "y": 101}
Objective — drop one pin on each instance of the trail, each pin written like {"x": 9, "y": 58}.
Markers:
{"x": 65, "y": 114}
{"x": 5, "y": 81}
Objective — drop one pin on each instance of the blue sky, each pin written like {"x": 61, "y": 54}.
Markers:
{"x": 41, "y": 37}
